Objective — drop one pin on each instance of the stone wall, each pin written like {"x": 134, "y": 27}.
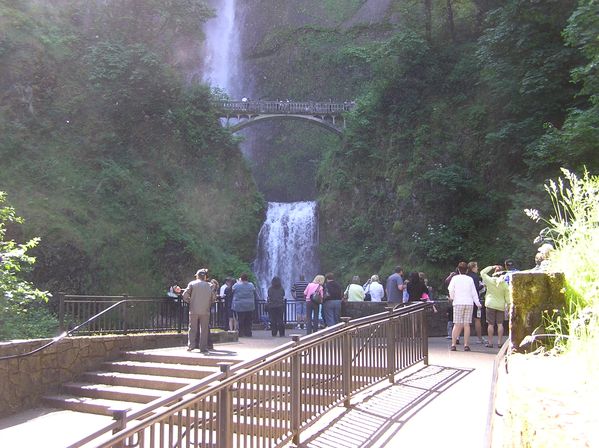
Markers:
{"x": 436, "y": 322}
{"x": 24, "y": 380}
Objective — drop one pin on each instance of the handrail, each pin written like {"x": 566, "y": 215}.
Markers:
{"x": 491, "y": 411}
{"x": 283, "y": 107}
{"x": 62, "y": 335}
{"x": 208, "y": 385}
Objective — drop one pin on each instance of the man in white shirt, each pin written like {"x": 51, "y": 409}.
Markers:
{"x": 463, "y": 295}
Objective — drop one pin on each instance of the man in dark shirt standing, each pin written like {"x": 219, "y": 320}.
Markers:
{"x": 395, "y": 286}
{"x": 298, "y": 294}
{"x": 331, "y": 308}
{"x": 477, "y": 313}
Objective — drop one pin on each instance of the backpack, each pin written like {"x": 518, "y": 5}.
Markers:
{"x": 316, "y": 297}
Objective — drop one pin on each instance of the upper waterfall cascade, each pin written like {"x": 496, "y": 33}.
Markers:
{"x": 221, "y": 48}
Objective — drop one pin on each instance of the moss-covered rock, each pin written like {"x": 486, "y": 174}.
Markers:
{"x": 535, "y": 295}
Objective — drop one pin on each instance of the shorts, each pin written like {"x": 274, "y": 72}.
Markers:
{"x": 462, "y": 314}
{"x": 495, "y": 316}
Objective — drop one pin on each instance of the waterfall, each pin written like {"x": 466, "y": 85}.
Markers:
{"x": 288, "y": 240}
{"x": 221, "y": 48}
{"x": 287, "y": 244}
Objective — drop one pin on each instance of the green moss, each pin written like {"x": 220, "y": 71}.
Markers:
{"x": 533, "y": 295}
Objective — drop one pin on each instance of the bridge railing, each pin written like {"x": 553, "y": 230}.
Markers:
{"x": 268, "y": 401}
{"x": 283, "y": 107}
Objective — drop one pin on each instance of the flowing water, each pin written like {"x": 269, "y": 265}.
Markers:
{"x": 221, "y": 48}
{"x": 287, "y": 244}
{"x": 288, "y": 239}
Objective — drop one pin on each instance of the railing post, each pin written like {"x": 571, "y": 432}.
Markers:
{"x": 61, "y": 326}
{"x": 124, "y": 314}
{"x": 391, "y": 342}
{"x": 424, "y": 333}
{"x": 178, "y": 301}
{"x": 346, "y": 379}
{"x": 296, "y": 392}
{"x": 120, "y": 415}
{"x": 225, "y": 411}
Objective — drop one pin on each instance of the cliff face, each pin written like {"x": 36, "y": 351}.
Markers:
{"x": 294, "y": 49}
{"x": 304, "y": 50}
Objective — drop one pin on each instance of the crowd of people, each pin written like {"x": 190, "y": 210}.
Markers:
{"x": 322, "y": 297}
{"x": 474, "y": 298}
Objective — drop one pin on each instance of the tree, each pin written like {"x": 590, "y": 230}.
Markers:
{"x": 21, "y": 311}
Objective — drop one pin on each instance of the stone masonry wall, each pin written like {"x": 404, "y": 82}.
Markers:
{"x": 436, "y": 322}
{"x": 24, "y": 380}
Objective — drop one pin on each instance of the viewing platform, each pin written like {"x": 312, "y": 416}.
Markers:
{"x": 404, "y": 412}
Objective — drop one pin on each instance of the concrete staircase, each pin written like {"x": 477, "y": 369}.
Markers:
{"x": 138, "y": 378}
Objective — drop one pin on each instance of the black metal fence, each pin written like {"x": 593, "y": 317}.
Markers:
{"x": 151, "y": 314}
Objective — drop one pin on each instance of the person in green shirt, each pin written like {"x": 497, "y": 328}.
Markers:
{"x": 496, "y": 302}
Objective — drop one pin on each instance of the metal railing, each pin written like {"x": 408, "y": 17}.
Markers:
{"x": 284, "y": 107}
{"x": 134, "y": 315}
{"x": 267, "y": 402}
{"x": 151, "y": 314}
{"x": 492, "y": 412}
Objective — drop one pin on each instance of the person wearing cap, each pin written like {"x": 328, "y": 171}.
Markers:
{"x": 199, "y": 294}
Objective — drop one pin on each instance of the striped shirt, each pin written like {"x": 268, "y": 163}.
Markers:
{"x": 298, "y": 290}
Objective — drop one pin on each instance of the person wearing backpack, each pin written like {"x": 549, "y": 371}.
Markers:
{"x": 314, "y": 293}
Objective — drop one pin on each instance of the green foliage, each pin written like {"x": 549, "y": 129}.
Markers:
{"x": 574, "y": 230}
{"x": 131, "y": 181}
{"x": 21, "y": 312}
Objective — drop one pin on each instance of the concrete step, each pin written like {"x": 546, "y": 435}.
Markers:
{"x": 86, "y": 404}
{"x": 161, "y": 369}
{"x": 167, "y": 383}
{"x": 109, "y": 392}
{"x": 192, "y": 358}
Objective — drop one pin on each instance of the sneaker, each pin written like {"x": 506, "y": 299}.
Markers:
{"x": 447, "y": 337}
{"x": 480, "y": 341}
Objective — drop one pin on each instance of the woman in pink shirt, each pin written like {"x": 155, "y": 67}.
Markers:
{"x": 312, "y": 307}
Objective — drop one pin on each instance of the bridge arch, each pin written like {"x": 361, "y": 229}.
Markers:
{"x": 328, "y": 115}
{"x": 245, "y": 121}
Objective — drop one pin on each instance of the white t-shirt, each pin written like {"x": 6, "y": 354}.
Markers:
{"x": 376, "y": 290}
{"x": 221, "y": 293}
{"x": 462, "y": 290}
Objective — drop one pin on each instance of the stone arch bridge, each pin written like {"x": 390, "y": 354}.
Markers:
{"x": 328, "y": 115}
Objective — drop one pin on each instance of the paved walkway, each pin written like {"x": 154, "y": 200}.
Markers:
{"x": 443, "y": 404}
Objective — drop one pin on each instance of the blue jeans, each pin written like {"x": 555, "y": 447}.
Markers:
{"x": 331, "y": 310}
{"x": 312, "y": 310}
